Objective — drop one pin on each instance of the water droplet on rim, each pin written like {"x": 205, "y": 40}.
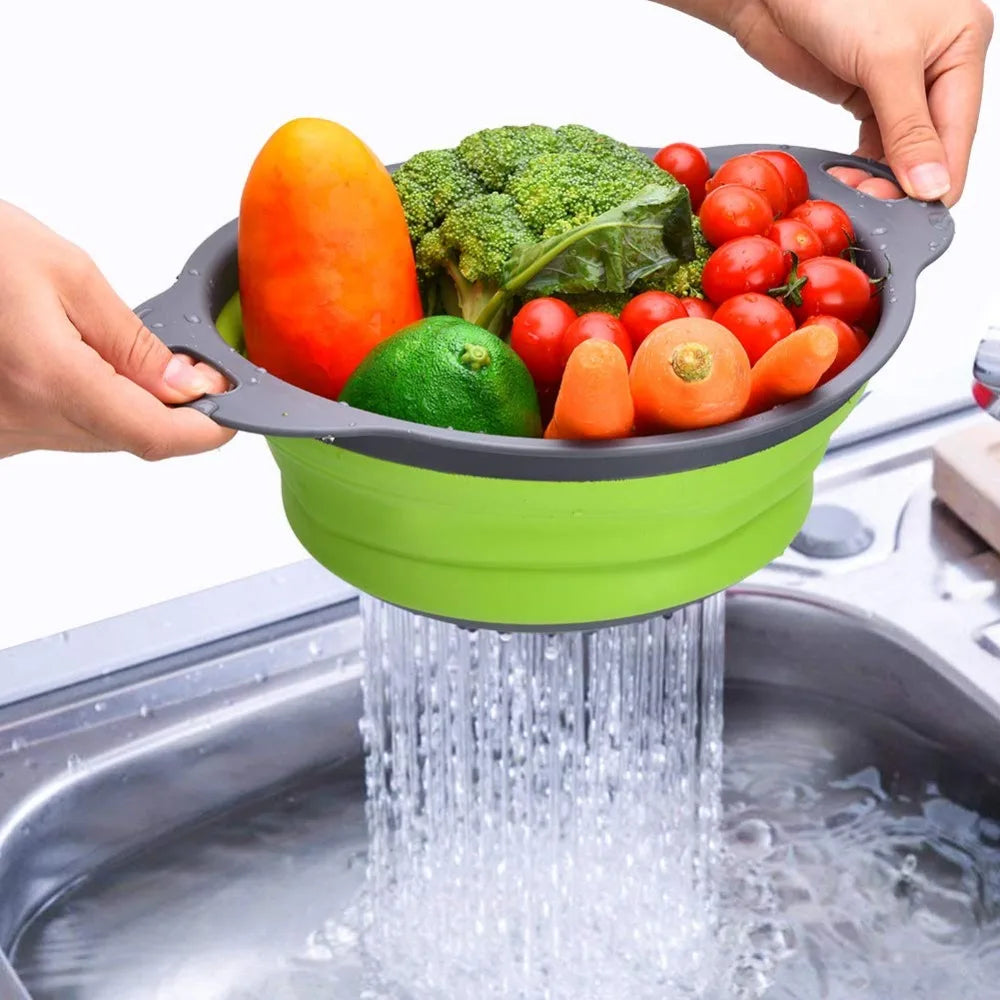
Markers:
{"x": 192, "y": 318}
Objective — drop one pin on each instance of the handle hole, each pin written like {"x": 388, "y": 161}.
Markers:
{"x": 222, "y": 384}
{"x": 866, "y": 182}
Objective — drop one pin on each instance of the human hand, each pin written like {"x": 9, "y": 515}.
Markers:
{"x": 78, "y": 369}
{"x": 911, "y": 71}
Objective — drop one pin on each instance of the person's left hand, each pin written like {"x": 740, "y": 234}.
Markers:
{"x": 78, "y": 370}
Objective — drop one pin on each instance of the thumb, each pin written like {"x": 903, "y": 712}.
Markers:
{"x": 108, "y": 325}
{"x": 913, "y": 148}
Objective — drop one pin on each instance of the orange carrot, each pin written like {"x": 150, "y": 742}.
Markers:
{"x": 594, "y": 402}
{"x": 791, "y": 368}
{"x": 689, "y": 373}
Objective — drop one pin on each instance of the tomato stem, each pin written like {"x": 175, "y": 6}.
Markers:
{"x": 791, "y": 291}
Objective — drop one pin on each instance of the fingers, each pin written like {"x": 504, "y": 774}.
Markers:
{"x": 913, "y": 148}
{"x": 955, "y": 100}
{"x": 117, "y": 335}
{"x": 181, "y": 363}
{"x": 117, "y": 411}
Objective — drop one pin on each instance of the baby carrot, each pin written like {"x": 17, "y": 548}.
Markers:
{"x": 594, "y": 402}
{"x": 791, "y": 368}
{"x": 689, "y": 373}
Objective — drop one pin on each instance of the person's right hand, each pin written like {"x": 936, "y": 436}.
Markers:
{"x": 78, "y": 370}
{"x": 911, "y": 71}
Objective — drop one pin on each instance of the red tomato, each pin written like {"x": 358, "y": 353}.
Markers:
{"x": 833, "y": 287}
{"x": 850, "y": 344}
{"x": 749, "y": 264}
{"x": 796, "y": 237}
{"x": 869, "y": 319}
{"x": 880, "y": 187}
{"x": 830, "y": 223}
{"x": 536, "y": 336}
{"x": 757, "y": 321}
{"x": 647, "y": 311}
{"x": 596, "y": 326}
{"x": 689, "y": 165}
{"x": 699, "y": 308}
{"x": 732, "y": 211}
{"x": 792, "y": 173}
{"x": 757, "y": 173}
{"x": 984, "y": 397}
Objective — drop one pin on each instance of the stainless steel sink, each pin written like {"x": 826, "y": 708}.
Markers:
{"x": 106, "y": 754}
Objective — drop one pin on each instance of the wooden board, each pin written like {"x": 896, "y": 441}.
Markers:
{"x": 967, "y": 478}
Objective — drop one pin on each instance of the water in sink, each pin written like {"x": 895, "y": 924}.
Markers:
{"x": 868, "y": 863}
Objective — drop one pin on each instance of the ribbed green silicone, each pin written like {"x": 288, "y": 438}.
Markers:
{"x": 514, "y": 552}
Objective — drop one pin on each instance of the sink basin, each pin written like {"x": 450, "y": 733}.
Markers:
{"x": 192, "y": 827}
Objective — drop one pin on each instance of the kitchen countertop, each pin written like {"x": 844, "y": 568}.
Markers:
{"x": 129, "y": 128}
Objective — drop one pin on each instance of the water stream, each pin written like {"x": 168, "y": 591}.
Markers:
{"x": 544, "y": 811}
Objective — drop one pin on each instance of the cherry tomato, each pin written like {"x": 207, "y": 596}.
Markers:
{"x": 851, "y": 176}
{"x": 833, "y": 287}
{"x": 689, "y": 165}
{"x": 792, "y": 173}
{"x": 699, "y": 308}
{"x": 869, "y": 319}
{"x": 757, "y": 173}
{"x": 983, "y": 396}
{"x": 796, "y": 237}
{"x": 647, "y": 311}
{"x": 536, "y": 336}
{"x": 732, "y": 211}
{"x": 830, "y": 223}
{"x": 850, "y": 344}
{"x": 881, "y": 187}
{"x": 596, "y": 326}
{"x": 757, "y": 321}
{"x": 749, "y": 264}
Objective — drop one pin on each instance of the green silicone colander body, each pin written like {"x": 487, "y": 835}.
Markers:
{"x": 543, "y": 535}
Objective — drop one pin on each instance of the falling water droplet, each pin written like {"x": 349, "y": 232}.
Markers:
{"x": 254, "y": 380}
{"x": 145, "y": 712}
{"x": 879, "y": 231}
{"x": 18, "y": 744}
{"x": 100, "y": 706}
{"x": 157, "y": 326}
{"x": 73, "y": 762}
{"x": 194, "y": 272}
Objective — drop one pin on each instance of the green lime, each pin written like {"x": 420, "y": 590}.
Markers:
{"x": 446, "y": 372}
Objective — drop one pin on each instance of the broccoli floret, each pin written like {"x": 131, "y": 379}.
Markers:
{"x": 472, "y": 245}
{"x": 604, "y": 302}
{"x": 585, "y": 140}
{"x": 556, "y": 192}
{"x": 469, "y": 210}
{"x": 430, "y": 184}
{"x": 495, "y": 153}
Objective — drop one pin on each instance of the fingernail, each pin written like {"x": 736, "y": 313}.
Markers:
{"x": 185, "y": 378}
{"x": 929, "y": 181}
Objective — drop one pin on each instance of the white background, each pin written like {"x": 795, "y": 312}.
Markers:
{"x": 129, "y": 128}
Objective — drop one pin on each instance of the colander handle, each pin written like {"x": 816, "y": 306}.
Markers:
{"x": 182, "y": 317}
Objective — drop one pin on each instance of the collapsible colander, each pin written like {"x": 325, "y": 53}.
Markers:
{"x": 525, "y": 533}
